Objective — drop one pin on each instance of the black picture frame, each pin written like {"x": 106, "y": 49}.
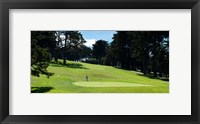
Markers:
{"x": 5, "y": 5}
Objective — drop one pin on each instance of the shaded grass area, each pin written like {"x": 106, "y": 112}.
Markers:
{"x": 67, "y": 77}
{"x": 151, "y": 77}
{"x": 69, "y": 65}
{"x": 40, "y": 89}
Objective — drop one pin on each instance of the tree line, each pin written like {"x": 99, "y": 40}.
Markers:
{"x": 145, "y": 51}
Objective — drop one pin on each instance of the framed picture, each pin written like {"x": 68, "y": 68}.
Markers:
{"x": 82, "y": 61}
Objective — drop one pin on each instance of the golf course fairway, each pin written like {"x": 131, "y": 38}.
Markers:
{"x": 71, "y": 78}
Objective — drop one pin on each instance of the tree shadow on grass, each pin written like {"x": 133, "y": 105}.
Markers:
{"x": 151, "y": 77}
{"x": 69, "y": 65}
{"x": 41, "y": 89}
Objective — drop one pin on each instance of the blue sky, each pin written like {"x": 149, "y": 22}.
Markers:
{"x": 92, "y": 36}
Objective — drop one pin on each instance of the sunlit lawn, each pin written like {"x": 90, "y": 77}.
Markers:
{"x": 101, "y": 79}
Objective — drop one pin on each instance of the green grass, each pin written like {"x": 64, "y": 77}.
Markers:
{"x": 101, "y": 79}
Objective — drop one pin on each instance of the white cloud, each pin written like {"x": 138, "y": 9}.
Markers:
{"x": 90, "y": 42}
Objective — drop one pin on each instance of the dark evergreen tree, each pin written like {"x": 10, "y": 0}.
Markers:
{"x": 40, "y": 53}
{"x": 72, "y": 39}
{"x": 99, "y": 50}
{"x": 147, "y": 51}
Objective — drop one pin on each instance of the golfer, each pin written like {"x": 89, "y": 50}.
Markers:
{"x": 86, "y": 78}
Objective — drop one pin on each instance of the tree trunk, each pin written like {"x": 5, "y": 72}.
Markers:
{"x": 160, "y": 72}
{"x": 56, "y": 59}
{"x": 144, "y": 68}
{"x": 64, "y": 58}
{"x": 154, "y": 72}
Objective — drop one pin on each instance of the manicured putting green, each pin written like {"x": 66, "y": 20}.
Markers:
{"x": 107, "y": 84}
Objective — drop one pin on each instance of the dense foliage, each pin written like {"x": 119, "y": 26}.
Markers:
{"x": 41, "y": 46}
{"x": 145, "y": 51}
